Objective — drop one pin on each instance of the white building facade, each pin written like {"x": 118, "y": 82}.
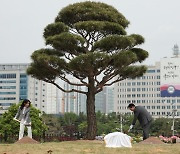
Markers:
{"x": 145, "y": 91}
{"x": 16, "y": 85}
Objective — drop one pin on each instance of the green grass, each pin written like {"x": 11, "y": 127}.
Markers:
{"x": 90, "y": 147}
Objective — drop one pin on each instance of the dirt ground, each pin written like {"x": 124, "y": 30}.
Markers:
{"x": 152, "y": 140}
{"x": 26, "y": 140}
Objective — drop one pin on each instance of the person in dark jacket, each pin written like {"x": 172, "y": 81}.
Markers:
{"x": 143, "y": 117}
{"x": 23, "y": 116}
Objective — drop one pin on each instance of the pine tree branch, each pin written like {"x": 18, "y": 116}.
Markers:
{"x": 71, "y": 83}
{"x": 109, "y": 84}
{"x": 62, "y": 89}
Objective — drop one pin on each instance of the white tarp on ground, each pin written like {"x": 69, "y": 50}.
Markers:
{"x": 117, "y": 139}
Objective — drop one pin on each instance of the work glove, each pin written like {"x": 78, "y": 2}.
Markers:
{"x": 131, "y": 127}
{"x": 16, "y": 119}
{"x": 27, "y": 124}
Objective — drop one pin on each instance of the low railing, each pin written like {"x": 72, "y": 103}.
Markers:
{"x": 46, "y": 138}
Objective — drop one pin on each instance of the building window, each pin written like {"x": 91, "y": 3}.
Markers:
{"x": 138, "y": 83}
{"x": 173, "y": 101}
{"x": 163, "y": 113}
{"x": 168, "y": 101}
{"x": 153, "y": 107}
{"x": 158, "y": 101}
{"x": 128, "y": 89}
{"x": 143, "y": 89}
{"x": 143, "y": 83}
{"x": 168, "y": 107}
{"x": 158, "y": 113}
{"x": 158, "y": 77}
{"x": 151, "y": 71}
{"x": 133, "y": 83}
{"x": 133, "y": 89}
{"x": 138, "y": 89}
{"x": 129, "y": 84}
{"x": 158, "y": 83}
{"x": 133, "y": 95}
{"x": 128, "y": 95}
{"x": 138, "y": 95}
{"x": 163, "y": 107}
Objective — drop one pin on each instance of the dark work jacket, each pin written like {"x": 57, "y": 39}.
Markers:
{"x": 142, "y": 115}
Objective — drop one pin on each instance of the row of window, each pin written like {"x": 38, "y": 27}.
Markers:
{"x": 154, "y": 107}
{"x": 148, "y": 101}
{"x": 138, "y": 89}
{"x": 6, "y": 104}
{"x": 163, "y": 107}
{"x": 138, "y": 95}
{"x": 7, "y": 87}
{"x": 7, "y": 93}
{"x": 139, "y": 83}
{"x": 8, "y": 81}
{"x": 7, "y": 76}
{"x": 7, "y": 98}
{"x": 164, "y": 113}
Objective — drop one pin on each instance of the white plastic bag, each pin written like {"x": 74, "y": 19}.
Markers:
{"x": 117, "y": 139}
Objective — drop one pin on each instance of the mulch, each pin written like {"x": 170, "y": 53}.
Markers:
{"x": 26, "y": 140}
{"x": 152, "y": 140}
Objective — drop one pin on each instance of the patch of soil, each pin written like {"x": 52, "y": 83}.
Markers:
{"x": 152, "y": 140}
{"x": 26, "y": 140}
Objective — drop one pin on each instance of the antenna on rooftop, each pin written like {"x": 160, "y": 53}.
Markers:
{"x": 176, "y": 50}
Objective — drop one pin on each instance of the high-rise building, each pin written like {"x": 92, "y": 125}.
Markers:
{"x": 16, "y": 85}
{"x": 104, "y": 100}
{"x": 73, "y": 102}
{"x": 76, "y": 102}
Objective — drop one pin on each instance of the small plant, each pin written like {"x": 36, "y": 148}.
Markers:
{"x": 137, "y": 139}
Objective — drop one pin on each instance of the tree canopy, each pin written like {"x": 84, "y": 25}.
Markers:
{"x": 88, "y": 41}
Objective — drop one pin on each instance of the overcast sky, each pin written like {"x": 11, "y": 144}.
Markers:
{"x": 22, "y": 23}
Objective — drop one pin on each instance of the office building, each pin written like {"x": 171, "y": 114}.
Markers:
{"x": 16, "y": 85}
{"x": 104, "y": 100}
{"x": 158, "y": 90}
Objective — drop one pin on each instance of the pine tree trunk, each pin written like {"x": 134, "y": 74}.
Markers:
{"x": 91, "y": 115}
